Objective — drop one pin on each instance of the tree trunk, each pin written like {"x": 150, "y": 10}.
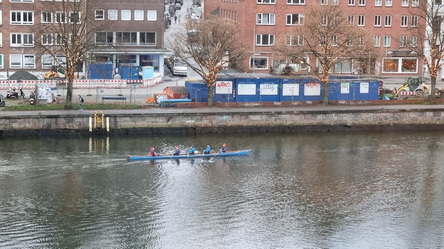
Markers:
{"x": 210, "y": 94}
{"x": 432, "y": 88}
{"x": 324, "y": 92}
{"x": 69, "y": 76}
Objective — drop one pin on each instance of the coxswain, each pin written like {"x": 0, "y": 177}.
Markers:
{"x": 177, "y": 151}
{"x": 207, "y": 150}
{"x": 153, "y": 152}
{"x": 191, "y": 150}
{"x": 224, "y": 148}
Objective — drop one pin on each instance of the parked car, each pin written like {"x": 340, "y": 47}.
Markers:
{"x": 178, "y": 6}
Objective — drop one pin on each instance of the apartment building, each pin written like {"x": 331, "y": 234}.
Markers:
{"x": 133, "y": 39}
{"x": 264, "y": 22}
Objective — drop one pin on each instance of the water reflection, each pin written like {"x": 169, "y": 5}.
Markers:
{"x": 362, "y": 190}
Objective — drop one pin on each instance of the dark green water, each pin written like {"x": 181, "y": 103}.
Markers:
{"x": 363, "y": 190}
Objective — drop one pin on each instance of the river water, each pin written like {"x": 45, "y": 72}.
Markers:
{"x": 360, "y": 190}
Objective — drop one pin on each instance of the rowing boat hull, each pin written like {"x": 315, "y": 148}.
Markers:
{"x": 186, "y": 156}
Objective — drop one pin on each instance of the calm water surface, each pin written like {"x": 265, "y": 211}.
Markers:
{"x": 363, "y": 190}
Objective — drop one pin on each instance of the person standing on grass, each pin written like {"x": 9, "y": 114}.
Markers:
{"x": 81, "y": 100}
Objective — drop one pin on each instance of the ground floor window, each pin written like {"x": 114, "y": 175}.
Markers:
{"x": 259, "y": 62}
{"x": 1, "y": 60}
{"x": 344, "y": 66}
{"x": 400, "y": 65}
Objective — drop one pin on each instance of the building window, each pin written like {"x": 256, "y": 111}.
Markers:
{"x": 378, "y": 2}
{"x": 147, "y": 38}
{"x": 1, "y": 39}
{"x": 295, "y": 19}
{"x": 46, "y": 17}
{"x": 351, "y": 20}
{"x": 377, "y": 21}
{"x": 21, "y": 40}
{"x": 415, "y": 3}
{"x": 387, "y": 41}
{"x": 403, "y": 41}
{"x": 126, "y": 15}
{"x": 264, "y": 40}
{"x": 47, "y": 61}
{"x": 414, "y": 21}
{"x": 60, "y": 17}
{"x": 400, "y": 65}
{"x": 293, "y": 40}
{"x": 74, "y": 17}
{"x": 266, "y": 1}
{"x": 324, "y": 2}
{"x": 15, "y": 61}
{"x": 361, "y": 2}
{"x": 265, "y": 19}
{"x": 388, "y": 2}
{"x": 413, "y": 41}
{"x": 21, "y": 1}
{"x": 1, "y": 16}
{"x": 361, "y": 20}
{"x": 404, "y": 21}
{"x": 334, "y": 2}
{"x": 47, "y": 39}
{"x": 99, "y": 14}
{"x": 112, "y": 14}
{"x": 28, "y": 61}
{"x": 405, "y": 3}
{"x": 377, "y": 41}
{"x": 1, "y": 60}
{"x": 388, "y": 21}
{"x": 22, "y": 17}
{"x": 152, "y": 15}
{"x": 104, "y": 38}
{"x": 139, "y": 15}
{"x": 351, "y": 2}
{"x": 259, "y": 62}
{"x": 299, "y": 2}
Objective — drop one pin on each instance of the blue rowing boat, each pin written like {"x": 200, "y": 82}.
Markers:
{"x": 185, "y": 156}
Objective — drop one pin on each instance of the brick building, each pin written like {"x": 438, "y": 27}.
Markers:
{"x": 134, "y": 38}
{"x": 264, "y": 22}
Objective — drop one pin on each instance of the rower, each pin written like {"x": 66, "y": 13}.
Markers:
{"x": 191, "y": 150}
{"x": 224, "y": 148}
{"x": 177, "y": 152}
{"x": 207, "y": 150}
{"x": 153, "y": 152}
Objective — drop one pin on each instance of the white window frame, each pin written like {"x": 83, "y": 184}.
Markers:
{"x": 388, "y": 3}
{"x": 415, "y": 3}
{"x": 260, "y": 39}
{"x": 139, "y": 15}
{"x": 47, "y": 39}
{"x": 17, "y": 59}
{"x": 253, "y": 65}
{"x": 387, "y": 41}
{"x": 403, "y": 41}
{"x": 261, "y": 17}
{"x": 60, "y": 17}
{"x": 377, "y": 22}
{"x": 377, "y": 41}
{"x": 404, "y": 21}
{"x": 1, "y": 16}
{"x": 415, "y": 20}
{"x": 46, "y": 17}
{"x": 378, "y": 2}
{"x": 405, "y": 3}
{"x": 388, "y": 21}
{"x": 125, "y": 15}
{"x": 72, "y": 14}
{"x": 324, "y": 2}
{"x": 296, "y": 2}
{"x": 361, "y": 2}
{"x": 113, "y": 15}
{"x": 1, "y": 39}
{"x": 1, "y": 59}
{"x": 334, "y": 2}
{"x": 151, "y": 15}
{"x": 26, "y": 63}
{"x": 361, "y": 20}
{"x": 413, "y": 41}
{"x": 47, "y": 61}
{"x": 21, "y": 1}
{"x": 21, "y": 39}
{"x": 99, "y": 14}
{"x": 351, "y": 20}
{"x": 22, "y": 15}
{"x": 299, "y": 19}
{"x": 351, "y": 2}
{"x": 293, "y": 41}
{"x": 266, "y": 2}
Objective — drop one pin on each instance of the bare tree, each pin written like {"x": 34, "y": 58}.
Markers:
{"x": 207, "y": 46}
{"x": 66, "y": 34}
{"x": 326, "y": 35}
{"x": 430, "y": 38}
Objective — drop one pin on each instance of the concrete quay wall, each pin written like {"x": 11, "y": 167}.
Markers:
{"x": 201, "y": 122}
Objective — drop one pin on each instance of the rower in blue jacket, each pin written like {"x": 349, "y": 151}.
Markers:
{"x": 207, "y": 150}
{"x": 191, "y": 150}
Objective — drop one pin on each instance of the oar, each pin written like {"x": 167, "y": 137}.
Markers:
{"x": 211, "y": 160}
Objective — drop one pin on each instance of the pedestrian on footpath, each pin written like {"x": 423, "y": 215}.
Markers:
{"x": 175, "y": 19}
{"x": 81, "y": 103}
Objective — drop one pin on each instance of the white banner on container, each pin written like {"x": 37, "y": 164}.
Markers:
{"x": 224, "y": 87}
{"x": 345, "y": 88}
{"x": 246, "y": 89}
{"x": 364, "y": 87}
{"x": 269, "y": 89}
{"x": 290, "y": 90}
{"x": 312, "y": 89}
